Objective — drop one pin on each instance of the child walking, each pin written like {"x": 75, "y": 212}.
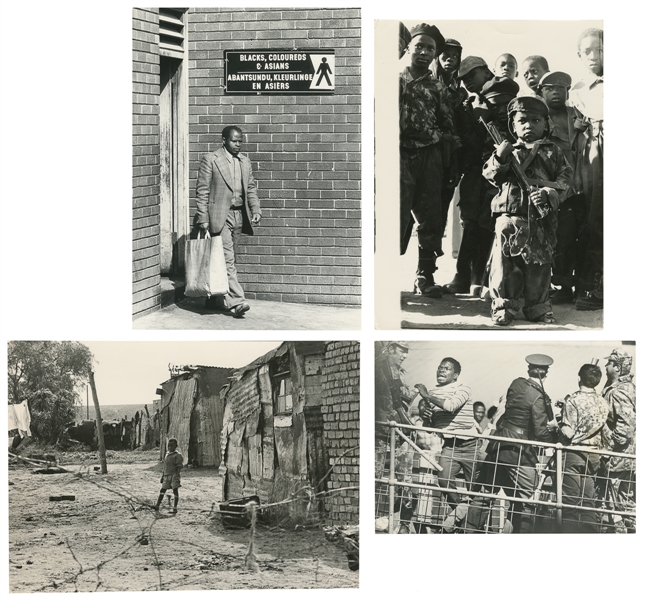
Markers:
{"x": 526, "y": 219}
{"x": 171, "y": 475}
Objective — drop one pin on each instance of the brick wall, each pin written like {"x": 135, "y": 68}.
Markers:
{"x": 341, "y": 412}
{"x": 305, "y": 150}
{"x": 146, "y": 162}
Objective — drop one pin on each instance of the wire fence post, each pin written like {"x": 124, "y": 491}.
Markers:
{"x": 392, "y": 473}
{"x": 559, "y": 484}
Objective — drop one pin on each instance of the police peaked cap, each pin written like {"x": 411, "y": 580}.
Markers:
{"x": 431, "y": 31}
{"x": 539, "y": 360}
{"x": 469, "y": 63}
{"x": 500, "y": 86}
{"x": 555, "y": 78}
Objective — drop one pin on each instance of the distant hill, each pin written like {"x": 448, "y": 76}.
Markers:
{"x": 112, "y": 412}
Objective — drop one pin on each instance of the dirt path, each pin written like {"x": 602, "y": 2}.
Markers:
{"x": 108, "y": 540}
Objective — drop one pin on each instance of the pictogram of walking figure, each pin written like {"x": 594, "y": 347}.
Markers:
{"x": 324, "y": 69}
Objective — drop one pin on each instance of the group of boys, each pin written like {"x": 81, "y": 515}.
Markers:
{"x": 529, "y": 171}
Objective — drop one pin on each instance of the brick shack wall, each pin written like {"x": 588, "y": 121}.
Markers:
{"x": 305, "y": 150}
{"x": 341, "y": 412}
{"x": 146, "y": 161}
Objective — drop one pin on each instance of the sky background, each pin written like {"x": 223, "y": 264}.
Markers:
{"x": 130, "y": 372}
{"x": 488, "y": 368}
{"x": 555, "y": 40}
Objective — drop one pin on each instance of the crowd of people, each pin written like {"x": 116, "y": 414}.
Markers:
{"x": 528, "y": 165}
{"x": 586, "y": 420}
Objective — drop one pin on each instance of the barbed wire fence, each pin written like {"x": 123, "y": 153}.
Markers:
{"x": 149, "y": 534}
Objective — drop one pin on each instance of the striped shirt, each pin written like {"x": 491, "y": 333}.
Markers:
{"x": 457, "y": 411}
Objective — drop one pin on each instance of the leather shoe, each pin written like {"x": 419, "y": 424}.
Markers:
{"x": 240, "y": 309}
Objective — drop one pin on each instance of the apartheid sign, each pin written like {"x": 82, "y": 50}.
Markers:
{"x": 288, "y": 72}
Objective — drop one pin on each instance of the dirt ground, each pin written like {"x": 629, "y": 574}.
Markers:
{"x": 108, "y": 539}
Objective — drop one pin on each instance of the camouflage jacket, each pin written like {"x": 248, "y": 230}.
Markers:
{"x": 583, "y": 418}
{"x": 546, "y": 168}
{"x": 620, "y": 430}
{"x": 391, "y": 392}
{"x": 426, "y": 116}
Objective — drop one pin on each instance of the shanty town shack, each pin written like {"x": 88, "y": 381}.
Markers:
{"x": 291, "y": 427}
{"x": 191, "y": 411}
{"x": 284, "y": 426}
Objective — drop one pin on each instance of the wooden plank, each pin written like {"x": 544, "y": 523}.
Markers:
{"x": 166, "y": 170}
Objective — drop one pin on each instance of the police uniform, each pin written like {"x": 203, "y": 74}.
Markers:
{"x": 509, "y": 465}
{"x": 426, "y": 125}
{"x": 524, "y": 245}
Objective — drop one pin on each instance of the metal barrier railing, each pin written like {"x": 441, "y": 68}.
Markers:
{"x": 546, "y": 487}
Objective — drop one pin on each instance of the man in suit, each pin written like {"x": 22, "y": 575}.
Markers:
{"x": 227, "y": 205}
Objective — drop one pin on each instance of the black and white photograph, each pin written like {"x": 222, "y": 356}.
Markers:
{"x": 502, "y": 437}
{"x": 216, "y": 221}
{"x": 501, "y": 225}
{"x": 246, "y": 168}
{"x": 150, "y": 466}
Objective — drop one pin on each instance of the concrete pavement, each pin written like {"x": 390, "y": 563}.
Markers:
{"x": 190, "y": 313}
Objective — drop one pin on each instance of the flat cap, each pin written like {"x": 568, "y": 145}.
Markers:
{"x": 469, "y": 63}
{"x": 528, "y": 104}
{"x": 453, "y": 43}
{"x": 539, "y": 360}
{"x": 500, "y": 86}
{"x": 429, "y": 30}
{"x": 556, "y": 78}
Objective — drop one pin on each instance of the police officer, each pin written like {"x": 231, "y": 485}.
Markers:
{"x": 509, "y": 465}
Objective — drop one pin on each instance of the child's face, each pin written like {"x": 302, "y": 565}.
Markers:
{"x": 474, "y": 80}
{"x": 529, "y": 127}
{"x": 423, "y": 51}
{"x": 498, "y": 108}
{"x": 532, "y": 71}
{"x": 172, "y": 446}
{"x": 506, "y": 66}
{"x": 591, "y": 53}
{"x": 449, "y": 59}
{"x": 554, "y": 95}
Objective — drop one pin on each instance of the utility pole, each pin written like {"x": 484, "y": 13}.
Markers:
{"x": 99, "y": 423}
